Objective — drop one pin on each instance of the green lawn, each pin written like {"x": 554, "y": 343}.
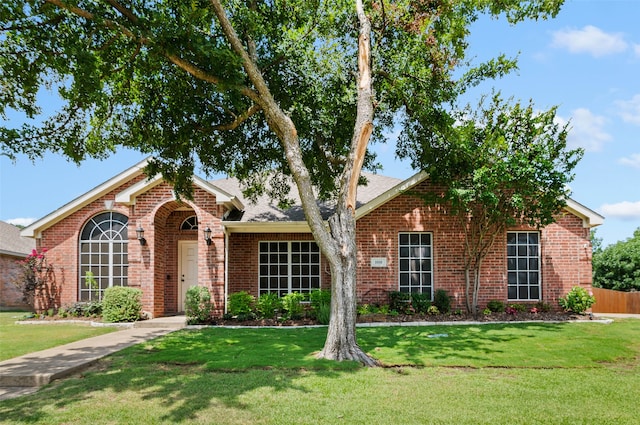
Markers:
{"x": 16, "y": 340}
{"x": 571, "y": 373}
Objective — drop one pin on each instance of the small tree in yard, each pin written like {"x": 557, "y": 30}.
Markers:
{"x": 502, "y": 165}
{"x": 258, "y": 88}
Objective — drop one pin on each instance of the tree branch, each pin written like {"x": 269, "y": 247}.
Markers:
{"x": 239, "y": 119}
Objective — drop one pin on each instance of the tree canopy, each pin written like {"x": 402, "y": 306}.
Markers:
{"x": 502, "y": 164}
{"x": 161, "y": 77}
{"x": 251, "y": 88}
{"x": 617, "y": 266}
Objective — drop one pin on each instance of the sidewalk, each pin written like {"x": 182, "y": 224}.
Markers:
{"x": 25, "y": 374}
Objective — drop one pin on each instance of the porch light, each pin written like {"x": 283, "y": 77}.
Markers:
{"x": 140, "y": 235}
{"x": 207, "y": 235}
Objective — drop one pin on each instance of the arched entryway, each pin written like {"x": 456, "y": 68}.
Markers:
{"x": 176, "y": 227}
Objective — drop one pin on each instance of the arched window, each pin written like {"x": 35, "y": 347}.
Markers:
{"x": 190, "y": 223}
{"x": 103, "y": 255}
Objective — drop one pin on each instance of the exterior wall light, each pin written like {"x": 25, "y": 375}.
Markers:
{"x": 140, "y": 235}
{"x": 207, "y": 235}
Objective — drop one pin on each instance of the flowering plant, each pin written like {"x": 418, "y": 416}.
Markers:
{"x": 37, "y": 281}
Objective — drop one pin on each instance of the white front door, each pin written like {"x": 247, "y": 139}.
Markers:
{"x": 187, "y": 269}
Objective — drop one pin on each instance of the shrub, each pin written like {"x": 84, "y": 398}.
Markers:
{"x": 241, "y": 305}
{"x": 292, "y": 304}
{"x": 543, "y": 307}
{"x": 577, "y": 300}
{"x": 82, "y": 309}
{"x": 121, "y": 304}
{"x": 268, "y": 305}
{"x": 198, "y": 305}
{"x": 520, "y": 308}
{"x": 433, "y": 310}
{"x": 399, "y": 301}
{"x": 421, "y": 302}
{"x": 442, "y": 300}
{"x": 496, "y": 306}
{"x": 321, "y": 305}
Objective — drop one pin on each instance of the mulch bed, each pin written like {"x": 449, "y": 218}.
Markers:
{"x": 438, "y": 318}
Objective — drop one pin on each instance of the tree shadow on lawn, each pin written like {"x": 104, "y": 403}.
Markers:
{"x": 464, "y": 345}
{"x": 188, "y": 372}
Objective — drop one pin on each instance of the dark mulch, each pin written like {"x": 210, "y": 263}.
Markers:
{"x": 403, "y": 318}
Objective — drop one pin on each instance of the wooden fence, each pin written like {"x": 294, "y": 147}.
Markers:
{"x": 608, "y": 301}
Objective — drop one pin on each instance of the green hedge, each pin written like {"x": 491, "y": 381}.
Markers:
{"x": 121, "y": 304}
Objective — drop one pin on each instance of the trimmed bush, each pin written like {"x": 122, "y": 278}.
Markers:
{"x": 496, "y": 306}
{"x": 198, "y": 305}
{"x": 577, "y": 300}
{"x": 399, "y": 301}
{"x": 241, "y": 305}
{"x": 121, "y": 304}
{"x": 442, "y": 300}
{"x": 268, "y": 305}
{"x": 421, "y": 302}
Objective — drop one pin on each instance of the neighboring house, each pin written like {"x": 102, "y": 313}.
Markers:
{"x": 13, "y": 248}
{"x": 133, "y": 231}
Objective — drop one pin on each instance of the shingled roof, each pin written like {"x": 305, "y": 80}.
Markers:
{"x": 11, "y": 243}
{"x": 267, "y": 210}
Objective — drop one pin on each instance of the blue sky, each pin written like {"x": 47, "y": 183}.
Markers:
{"x": 586, "y": 61}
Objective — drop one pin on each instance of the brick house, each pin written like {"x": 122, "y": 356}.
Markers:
{"x": 13, "y": 248}
{"x": 133, "y": 231}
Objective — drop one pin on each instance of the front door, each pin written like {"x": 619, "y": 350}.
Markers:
{"x": 187, "y": 269}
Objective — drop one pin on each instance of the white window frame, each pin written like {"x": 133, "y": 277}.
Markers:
{"x": 97, "y": 255}
{"x": 415, "y": 259}
{"x": 280, "y": 270}
{"x": 523, "y": 266}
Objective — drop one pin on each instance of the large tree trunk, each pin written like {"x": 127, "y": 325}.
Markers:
{"x": 338, "y": 244}
{"x": 341, "y": 337}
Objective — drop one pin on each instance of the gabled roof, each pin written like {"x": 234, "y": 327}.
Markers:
{"x": 11, "y": 243}
{"x": 126, "y": 196}
{"x": 265, "y": 216}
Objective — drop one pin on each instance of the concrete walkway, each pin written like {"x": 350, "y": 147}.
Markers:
{"x": 25, "y": 374}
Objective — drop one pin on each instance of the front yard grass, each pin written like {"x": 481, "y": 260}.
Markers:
{"x": 569, "y": 373}
{"x": 16, "y": 340}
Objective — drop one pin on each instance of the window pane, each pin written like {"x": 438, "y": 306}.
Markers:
{"x": 107, "y": 259}
{"x": 523, "y": 263}
{"x": 415, "y": 262}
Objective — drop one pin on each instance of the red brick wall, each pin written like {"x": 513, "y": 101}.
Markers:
{"x": 154, "y": 266}
{"x": 565, "y": 254}
{"x": 10, "y": 294}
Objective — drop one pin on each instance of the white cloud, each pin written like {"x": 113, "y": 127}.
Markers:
{"x": 591, "y": 40}
{"x": 586, "y": 130}
{"x": 630, "y": 109}
{"x": 21, "y": 221}
{"x": 633, "y": 160}
{"x": 636, "y": 49}
{"x": 624, "y": 210}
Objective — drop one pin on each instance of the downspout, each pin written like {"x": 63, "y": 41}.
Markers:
{"x": 226, "y": 267}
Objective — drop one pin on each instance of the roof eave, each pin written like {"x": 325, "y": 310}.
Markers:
{"x": 589, "y": 217}
{"x": 266, "y": 227}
